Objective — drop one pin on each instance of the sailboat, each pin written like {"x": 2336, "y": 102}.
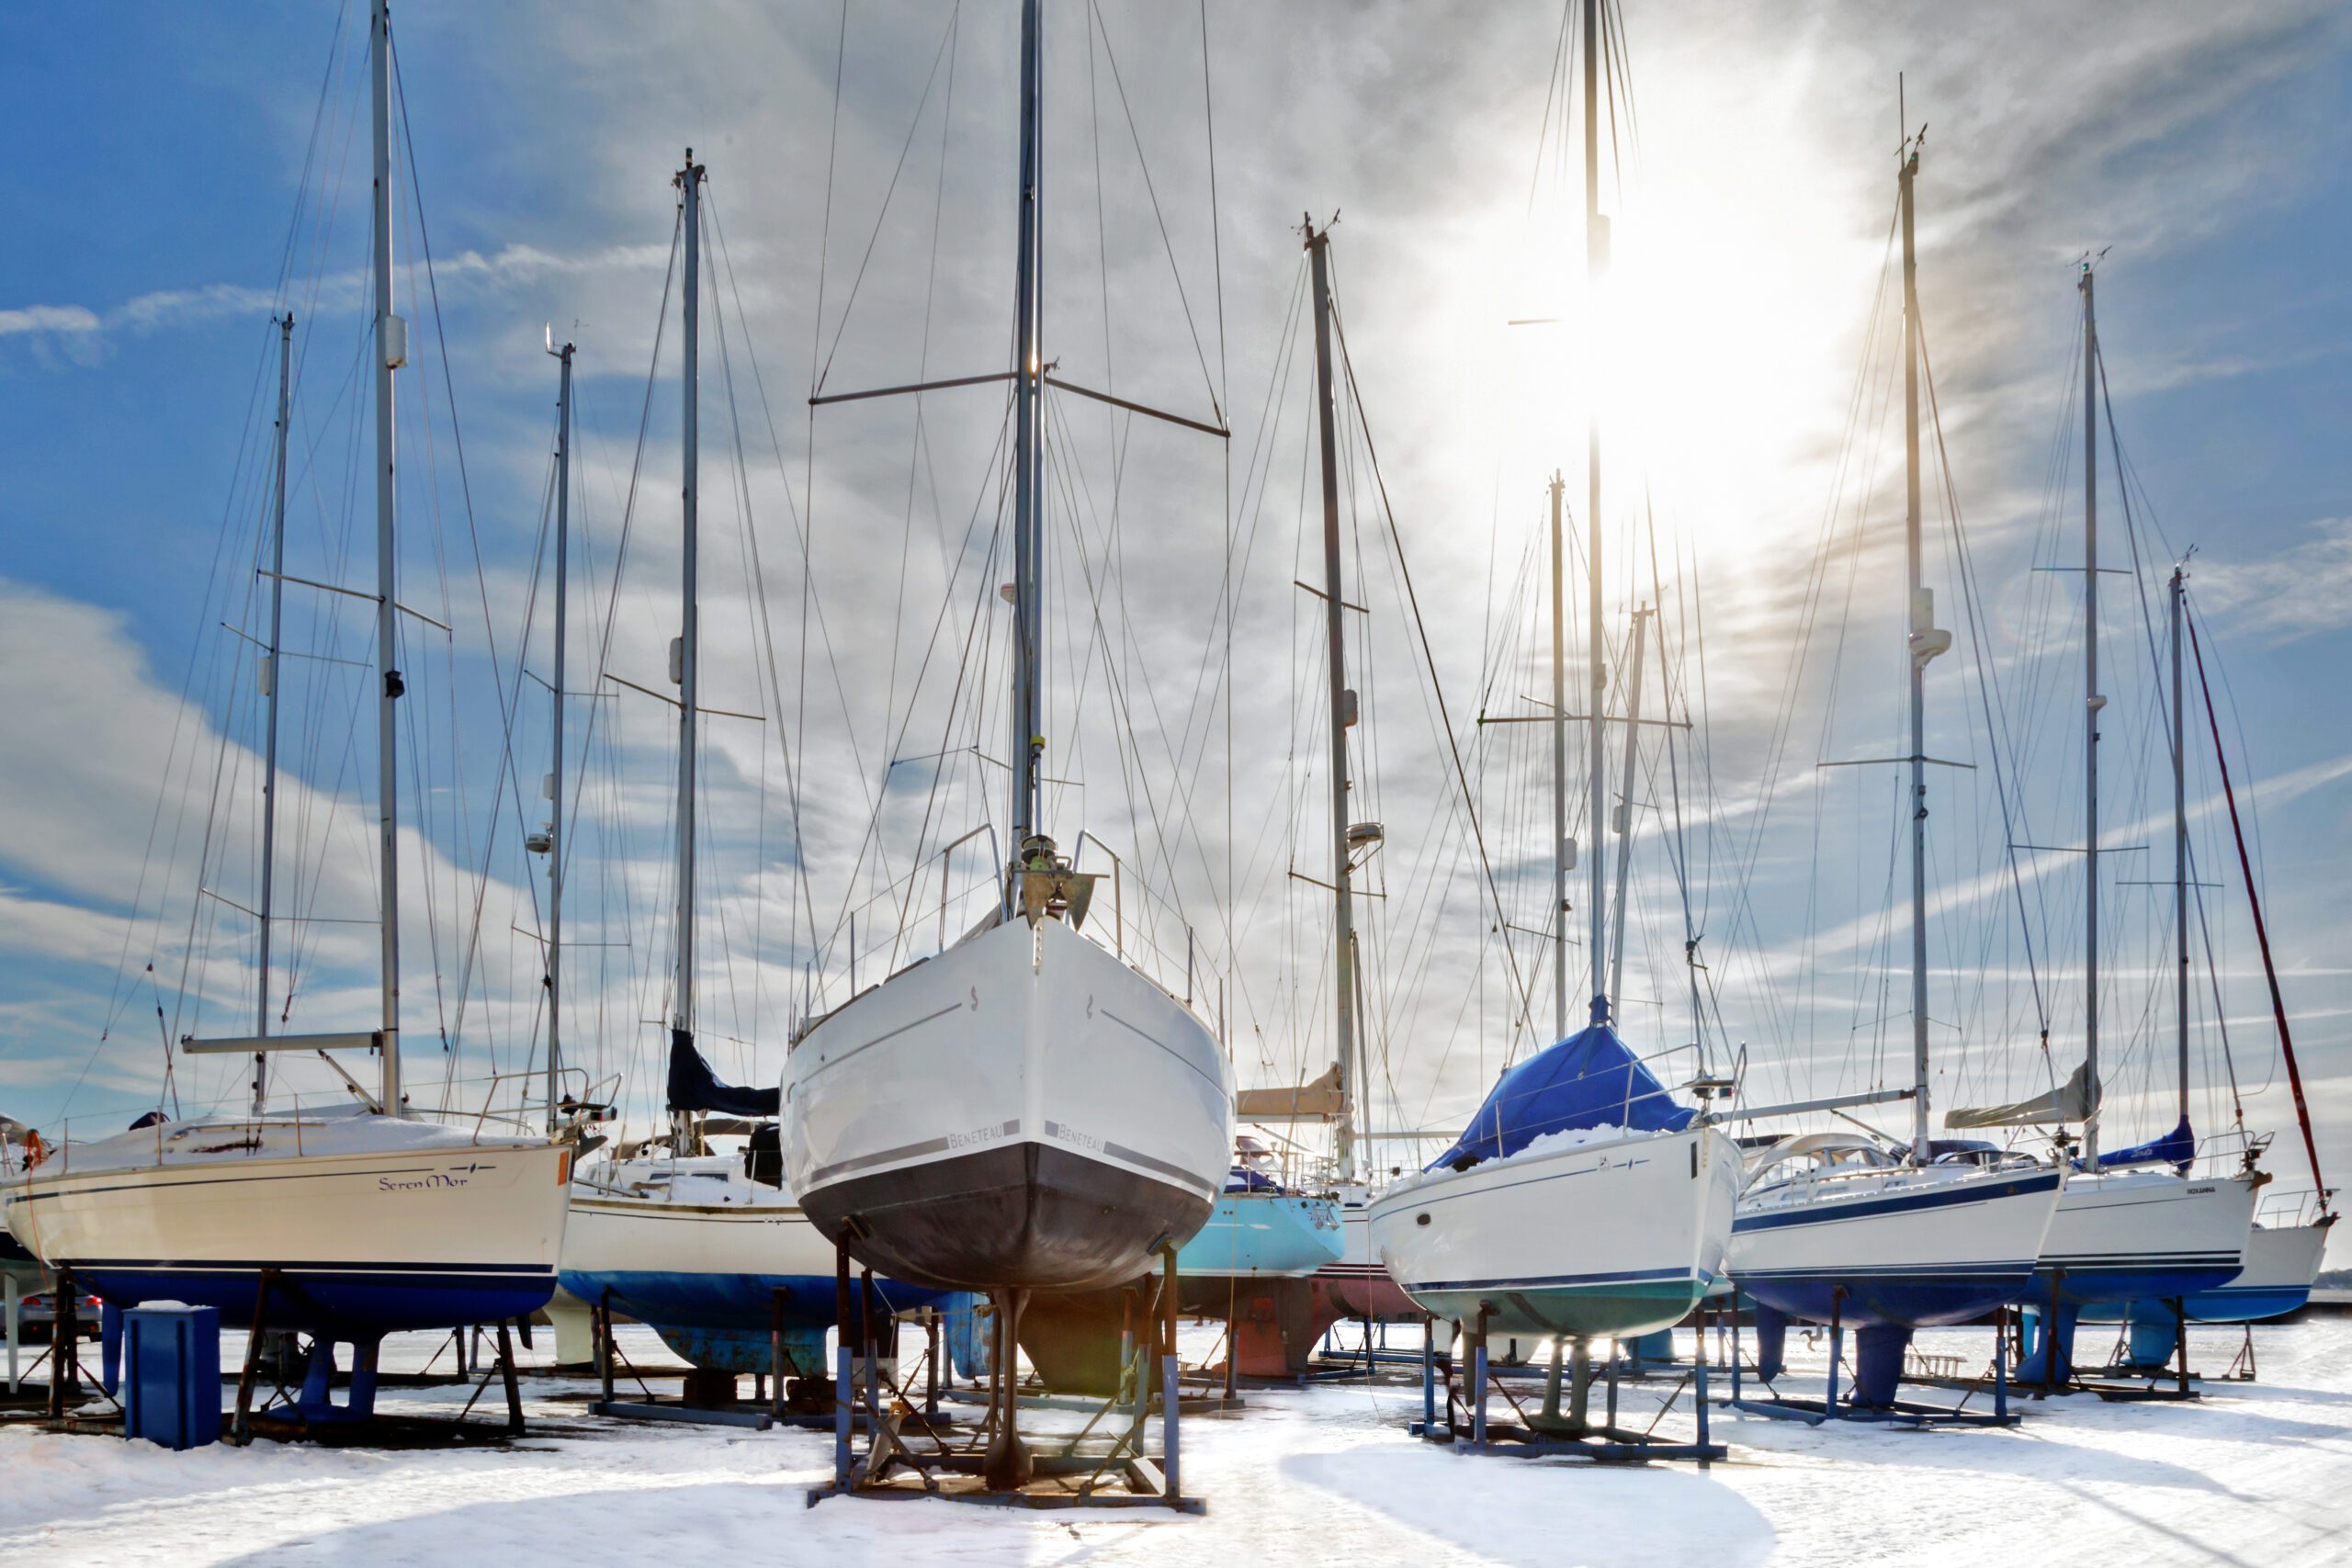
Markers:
{"x": 708, "y": 1250}
{"x": 1025, "y": 1111}
{"x": 344, "y": 1225}
{"x": 1276, "y": 1330}
{"x": 2287, "y": 1240}
{"x": 2130, "y": 1224}
{"x": 1836, "y": 1227}
{"x": 1581, "y": 1201}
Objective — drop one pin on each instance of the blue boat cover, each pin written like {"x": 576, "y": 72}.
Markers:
{"x": 1241, "y": 1179}
{"x": 694, "y": 1086}
{"x": 1589, "y": 1079}
{"x": 2176, "y": 1147}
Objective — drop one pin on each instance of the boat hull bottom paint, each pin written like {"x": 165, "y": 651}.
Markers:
{"x": 354, "y": 1305}
{"x": 723, "y": 1322}
{"x": 1074, "y": 1338}
{"x": 1020, "y": 1216}
{"x": 1277, "y": 1323}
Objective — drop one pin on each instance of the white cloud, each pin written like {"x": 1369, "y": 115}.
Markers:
{"x": 2300, "y": 592}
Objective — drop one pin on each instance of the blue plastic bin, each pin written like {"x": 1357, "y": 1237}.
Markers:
{"x": 171, "y": 1375}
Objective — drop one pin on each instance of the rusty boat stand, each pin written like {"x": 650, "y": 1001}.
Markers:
{"x": 907, "y": 1453}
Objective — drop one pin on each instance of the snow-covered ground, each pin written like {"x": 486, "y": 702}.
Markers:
{"x": 2256, "y": 1473}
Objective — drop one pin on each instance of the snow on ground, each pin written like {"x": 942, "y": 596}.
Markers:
{"x": 2256, "y": 1473}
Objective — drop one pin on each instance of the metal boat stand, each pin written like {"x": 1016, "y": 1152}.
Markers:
{"x": 2241, "y": 1366}
{"x": 2119, "y": 1382}
{"x": 309, "y": 1413}
{"x": 1895, "y": 1413}
{"x": 1104, "y": 1465}
{"x": 1464, "y": 1426}
{"x": 706, "y": 1399}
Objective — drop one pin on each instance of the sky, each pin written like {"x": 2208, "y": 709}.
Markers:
{"x": 198, "y": 174}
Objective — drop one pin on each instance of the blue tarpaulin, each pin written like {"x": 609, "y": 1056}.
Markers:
{"x": 2176, "y": 1147}
{"x": 1589, "y": 1079}
{"x": 694, "y": 1086}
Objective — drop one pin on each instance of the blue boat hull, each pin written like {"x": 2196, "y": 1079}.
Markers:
{"x": 351, "y": 1305}
{"x": 1257, "y": 1235}
{"x": 726, "y": 1321}
{"x": 1903, "y": 1300}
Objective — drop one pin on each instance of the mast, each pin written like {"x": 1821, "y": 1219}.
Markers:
{"x": 1596, "y": 261}
{"x": 1624, "y": 817}
{"x": 555, "y": 745}
{"x": 2180, "y": 844}
{"x": 1028, "y": 456}
{"x": 2261, "y": 930}
{"x": 1559, "y": 769}
{"x": 269, "y": 691}
{"x": 1343, "y": 937}
{"x": 683, "y": 652}
{"x": 391, "y": 352}
{"x": 2092, "y": 703}
{"x": 1924, "y": 646}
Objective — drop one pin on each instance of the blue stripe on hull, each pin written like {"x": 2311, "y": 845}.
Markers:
{"x": 1894, "y": 1299}
{"x": 345, "y": 1304}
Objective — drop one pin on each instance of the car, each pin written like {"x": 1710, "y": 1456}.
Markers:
{"x": 37, "y": 1318}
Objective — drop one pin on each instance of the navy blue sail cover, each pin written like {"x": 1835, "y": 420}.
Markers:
{"x": 1241, "y": 1179}
{"x": 1590, "y": 1080}
{"x": 2176, "y": 1147}
{"x": 694, "y": 1086}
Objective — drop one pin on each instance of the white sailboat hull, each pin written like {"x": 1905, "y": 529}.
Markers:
{"x": 1911, "y": 1248}
{"x": 716, "y": 1273}
{"x": 1023, "y": 1110}
{"x": 384, "y": 1223}
{"x": 2144, "y": 1235}
{"x": 1593, "y": 1239}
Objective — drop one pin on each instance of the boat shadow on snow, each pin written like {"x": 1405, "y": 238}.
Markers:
{"x": 1520, "y": 1510}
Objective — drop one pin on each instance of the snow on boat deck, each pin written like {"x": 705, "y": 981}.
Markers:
{"x": 2255, "y": 1473}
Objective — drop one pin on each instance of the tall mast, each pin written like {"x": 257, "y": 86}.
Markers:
{"x": 682, "y": 657}
{"x": 1343, "y": 931}
{"x": 555, "y": 744}
{"x": 2180, "y": 846}
{"x": 2092, "y": 703}
{"x": 1559, "y": 769}
{"x": 1596, "y": 261}
{"x": 1624, "y": 822}
{"x": 269, "y": 691}
{"x": 1924, "y": 646}
{"x": 1028, "y": 453}
{"x": 391, "y": 351}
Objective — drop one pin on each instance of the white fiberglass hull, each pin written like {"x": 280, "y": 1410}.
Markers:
{"x": 1594, "y": 1239}
{"x": 371, "y": 1223}
{"x": 713, "y": 1262}
{"x": 1023, "y": 1110}
{"x": 2282, "y": 1263}
{"x": 2144, "y": 1235}
{"x": 1909, "y": 1247}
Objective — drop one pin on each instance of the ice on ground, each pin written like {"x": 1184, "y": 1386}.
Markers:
{"x": 2256, "y": 1473}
